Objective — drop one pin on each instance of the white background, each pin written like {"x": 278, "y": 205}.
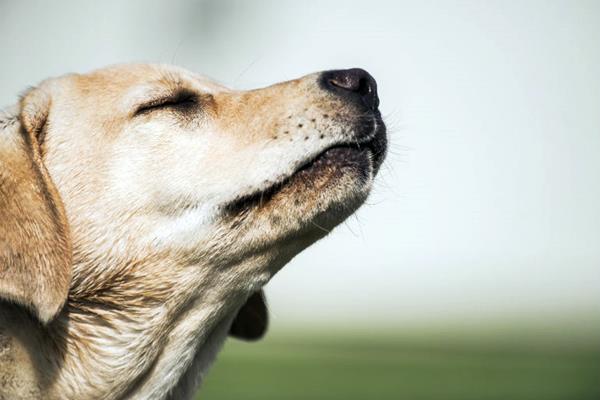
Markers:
{"x": 489, "y": 204}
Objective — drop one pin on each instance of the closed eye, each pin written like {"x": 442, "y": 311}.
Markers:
{"x": 182, "y": 100}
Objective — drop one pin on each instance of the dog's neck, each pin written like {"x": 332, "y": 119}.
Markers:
{"x": 139, "y": 338}
{"x": 146, "y": 327}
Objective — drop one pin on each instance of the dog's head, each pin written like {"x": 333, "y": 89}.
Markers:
{"x": 153, "y": 160}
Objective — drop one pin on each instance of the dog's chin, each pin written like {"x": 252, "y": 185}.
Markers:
{"x": 316, "y": 198}
{"x": 329, "y": 189}
{"x": 319, "y": 195}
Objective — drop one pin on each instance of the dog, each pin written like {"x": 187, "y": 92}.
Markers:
{"x": 144, "y": 207}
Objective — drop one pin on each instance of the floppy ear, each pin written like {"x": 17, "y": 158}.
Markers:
{"x": 35, "y": 247}
{"x": 252, "y": 319}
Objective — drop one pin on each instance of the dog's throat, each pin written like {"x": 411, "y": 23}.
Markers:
{"x": 139, "y": 344}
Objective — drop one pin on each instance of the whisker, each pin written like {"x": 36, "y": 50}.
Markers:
{"x": 320, "y": 227}
{"x": 350, "y": 229}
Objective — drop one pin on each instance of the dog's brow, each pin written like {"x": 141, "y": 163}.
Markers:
{"x": 143, "y": 93}
{"x": 153, "y": 93}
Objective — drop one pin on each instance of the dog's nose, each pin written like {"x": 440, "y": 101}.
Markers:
{"x": 356, "y": 84}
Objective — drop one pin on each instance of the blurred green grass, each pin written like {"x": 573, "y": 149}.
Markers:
{"x": 409, "y": 366}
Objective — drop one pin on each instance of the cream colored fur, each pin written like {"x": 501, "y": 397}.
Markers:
{"x": 159, "y": 264}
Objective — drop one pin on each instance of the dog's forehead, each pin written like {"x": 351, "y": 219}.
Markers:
{"x": 128, "y": 75}
{"x": 134, "y": 82}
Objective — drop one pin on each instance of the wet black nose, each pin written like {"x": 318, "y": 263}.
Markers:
{"x": 355, "y": 84}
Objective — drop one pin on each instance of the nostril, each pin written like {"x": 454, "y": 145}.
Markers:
{"x": 354, "y": 83}
{"x": 346, "y": 82}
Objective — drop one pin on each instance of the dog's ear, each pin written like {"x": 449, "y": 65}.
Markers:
{"x": 35, "y": 246}
{"x": 252, "y": 319}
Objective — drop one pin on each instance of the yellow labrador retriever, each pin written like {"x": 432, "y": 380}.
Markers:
{"x": 142, "y": 209}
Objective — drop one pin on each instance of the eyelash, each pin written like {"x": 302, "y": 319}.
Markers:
{"x": 182, "y": 101}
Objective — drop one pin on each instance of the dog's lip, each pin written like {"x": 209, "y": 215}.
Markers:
{"x": 367, "y": 149}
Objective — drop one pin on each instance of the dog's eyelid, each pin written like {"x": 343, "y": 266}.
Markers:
{"x": 179, "y": 99}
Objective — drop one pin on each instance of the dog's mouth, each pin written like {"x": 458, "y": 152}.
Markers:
{"x": 362, "y": 159}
